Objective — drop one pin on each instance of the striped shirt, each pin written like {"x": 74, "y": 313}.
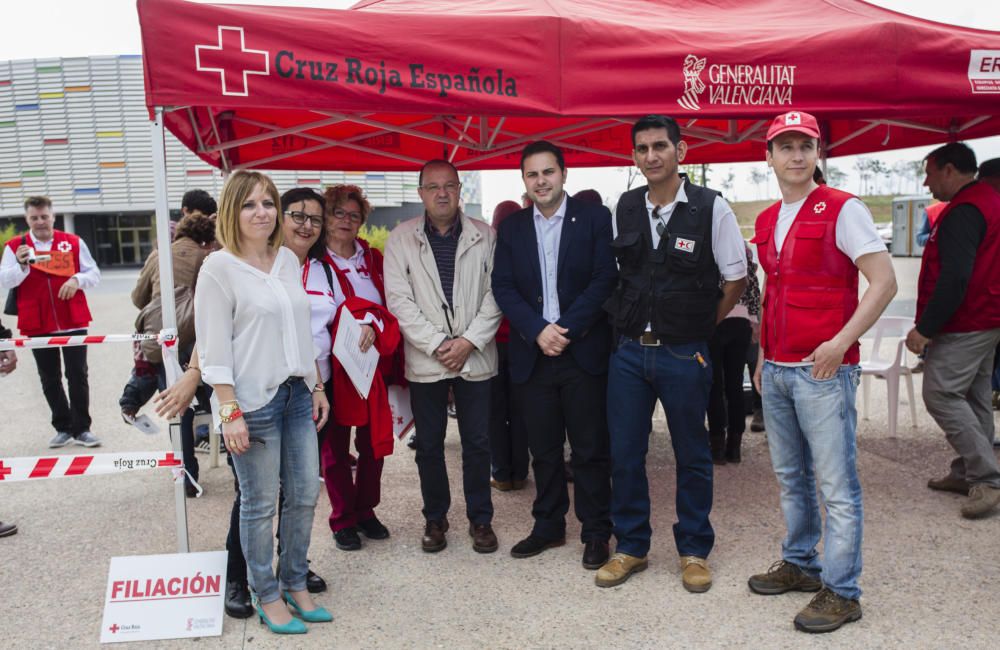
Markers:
{"x": 444, "y": 247}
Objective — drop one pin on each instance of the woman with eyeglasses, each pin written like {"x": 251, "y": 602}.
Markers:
{"x": 358, "y": 270}
{"x": 255, "y": 348}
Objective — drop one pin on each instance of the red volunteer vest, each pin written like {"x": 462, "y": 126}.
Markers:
{"x": 39, "y": 309}
{"x": 373, "y": 260}
{"x": 812, "y": 287}
{"x": 980, "y": 310}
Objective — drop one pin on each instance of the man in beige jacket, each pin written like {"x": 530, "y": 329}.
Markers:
{"x": 437, "y": 277}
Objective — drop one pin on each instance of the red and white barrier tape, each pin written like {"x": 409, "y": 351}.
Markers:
{"x": 165, "y": 337}
{"x": 45, "y": 467}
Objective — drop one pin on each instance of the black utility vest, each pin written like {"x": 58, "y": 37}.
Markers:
{"x": 675, "y": 286}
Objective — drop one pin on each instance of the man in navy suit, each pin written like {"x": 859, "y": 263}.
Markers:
{"x": 552, "y": 273}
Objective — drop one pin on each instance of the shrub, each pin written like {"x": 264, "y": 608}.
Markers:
{"x": 374, "y": 235}
{"x": 8, "y": 232}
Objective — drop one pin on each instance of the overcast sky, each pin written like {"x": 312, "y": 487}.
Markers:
{"x": 62, "y": 28}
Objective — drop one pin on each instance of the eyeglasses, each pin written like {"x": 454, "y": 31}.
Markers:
{"x": 340, "y": 213}
{"x": 661, "y": 227}
{"x": 300, "y": 218}
{"x": 451, "y": 187}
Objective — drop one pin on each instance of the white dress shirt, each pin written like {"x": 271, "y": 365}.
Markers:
{"x": 253, "y": 328}
{"x": 548, "y": 233}
{"x": 323, "y": 305}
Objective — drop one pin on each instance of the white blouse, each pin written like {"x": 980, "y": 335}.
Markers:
{"x": 253, "y": 328}
{"x": 324, "y": 304}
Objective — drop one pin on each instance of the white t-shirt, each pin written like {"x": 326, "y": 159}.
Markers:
{"x": 856, "y": 234}
{"x": 358, "y": 274}
{"x": 253, "y": 328}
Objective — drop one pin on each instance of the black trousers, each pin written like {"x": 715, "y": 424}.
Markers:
{"x": 430, "y": 416}
{"x": 508, "y": 437}
{"x": 726, "y": 410}
{"x": 236, "y": 563}
{"x": 71, "y": 416}
{"x": 560, "y": 399}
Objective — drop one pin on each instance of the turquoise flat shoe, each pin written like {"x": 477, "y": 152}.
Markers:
{"x": 318, "y": 615}
{"x": 294, "y": 626}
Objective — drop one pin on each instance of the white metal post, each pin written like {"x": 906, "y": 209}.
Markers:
{"x": 167, "y": 298}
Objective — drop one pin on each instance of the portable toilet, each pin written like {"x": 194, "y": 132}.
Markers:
{"x": 907, "y": 217}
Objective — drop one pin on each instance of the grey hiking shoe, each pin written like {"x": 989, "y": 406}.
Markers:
{"x": 783, "y": 576}
{"x": 826, "y": 612}
{"x": 87, "y": 439}
{"x": 61, "y": 439}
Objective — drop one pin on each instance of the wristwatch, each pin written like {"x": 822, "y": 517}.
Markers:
{"x": 230, "y": 411}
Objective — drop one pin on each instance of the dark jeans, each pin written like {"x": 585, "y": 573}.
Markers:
{"x": 472, "y": 402}
{"x": 202, "y": 394}
{"x": 753, "y": 349}
{"x": 560, "y": 399}
{"x": 508, "y": 437}
{"x": 71, "y": 416}
{"x": 637, "y": 375}
{"x": 138, "y": 390}
{"x": 726, "y": 411}
{"x": 236, "y": 564}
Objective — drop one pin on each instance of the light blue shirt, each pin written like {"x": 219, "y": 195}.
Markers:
{"x": 548, "y": 232}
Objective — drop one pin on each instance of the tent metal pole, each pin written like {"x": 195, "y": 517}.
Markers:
{"x": 167, "y": 298}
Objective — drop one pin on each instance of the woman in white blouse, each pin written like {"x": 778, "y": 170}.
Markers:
{"x": 255, "y": 347}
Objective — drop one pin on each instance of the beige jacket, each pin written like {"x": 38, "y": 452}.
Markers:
{"x": 413, "y": 289}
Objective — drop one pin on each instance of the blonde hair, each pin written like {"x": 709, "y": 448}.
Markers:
{"x": 238, "y": 187}
{"x": 337, "y": 195}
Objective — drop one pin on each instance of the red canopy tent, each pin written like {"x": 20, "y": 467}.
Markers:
{"x": 389, "y": 84}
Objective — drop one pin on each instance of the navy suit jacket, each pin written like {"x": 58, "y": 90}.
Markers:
{"x": 586, "y": 276}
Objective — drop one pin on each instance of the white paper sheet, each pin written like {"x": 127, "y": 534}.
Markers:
{"x": 360, "y": 366}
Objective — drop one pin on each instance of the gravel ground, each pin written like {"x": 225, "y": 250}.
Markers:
{"x": 930, "y": 578}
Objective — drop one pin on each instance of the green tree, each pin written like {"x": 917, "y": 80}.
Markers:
{"x": 835, "y": 177}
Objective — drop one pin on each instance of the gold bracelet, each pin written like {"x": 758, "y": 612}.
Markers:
{"x": 318, "y": 388}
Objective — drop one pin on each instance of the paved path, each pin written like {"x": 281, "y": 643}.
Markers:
{"x": 931, "y": 578}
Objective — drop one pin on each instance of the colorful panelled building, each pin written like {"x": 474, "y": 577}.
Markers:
{"x": 77, "y": 130}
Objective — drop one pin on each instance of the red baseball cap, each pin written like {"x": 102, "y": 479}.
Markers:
{"x": 793, "y": 121}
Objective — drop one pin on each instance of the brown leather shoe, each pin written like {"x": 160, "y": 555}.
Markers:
{"x": 949, "y": 484}
{"x": 502, "y": 486}
{"x": 434, "y": 539}
{"x": 517, "y": 484}
{"x": 695, "y": 574}
{"x": 618, "y": 569}
{"x": 484, "y": 540}
{"x": 826, "y": 612}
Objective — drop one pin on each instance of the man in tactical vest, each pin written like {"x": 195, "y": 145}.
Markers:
{"x": 674, "y": 242}
{"x": 811, "y": 245}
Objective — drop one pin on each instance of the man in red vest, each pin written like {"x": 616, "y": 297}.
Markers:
{"x": 958, "y": 323}
{"x": 812, "y": 244}
{"x": 50, "y": 268}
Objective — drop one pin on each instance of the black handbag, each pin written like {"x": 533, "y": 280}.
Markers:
{"x": 10, "y": 308}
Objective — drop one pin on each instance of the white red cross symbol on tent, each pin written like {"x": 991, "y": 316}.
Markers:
{"x": 4, "y": 471}
{"x": 232, "y": 60}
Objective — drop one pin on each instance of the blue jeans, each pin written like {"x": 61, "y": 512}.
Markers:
{"x": 637, "y": 375}
{"x": 288, "y": 458}
{"x": 811, "y": 427}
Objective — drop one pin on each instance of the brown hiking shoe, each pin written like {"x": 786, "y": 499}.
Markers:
{"x": 757, "y": 421}
{"x": 826, "y": 612}
{"x": 618, "y": 569}
{"x": 781, "y": 577}
{"x": 949, "y": 484}
{"x": 695, "y": 574}
{"x": 982, "y": 499}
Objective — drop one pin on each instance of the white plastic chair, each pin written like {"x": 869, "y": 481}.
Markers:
{"x": 889, "y": 368}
